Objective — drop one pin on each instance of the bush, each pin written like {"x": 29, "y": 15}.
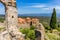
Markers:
{"x": 52, "y": 36}
{"x": 46, "y": 25}
{"x": 32, "y": 27}
{"x": 2, "y": 20}
{"x": 24, "y": 31}
{"x": 58, "y": 29}
{"x": 29, "y": 33}
{"x": 1, "y": 28}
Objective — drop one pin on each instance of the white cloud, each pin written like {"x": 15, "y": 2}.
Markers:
{"x": 57, "y": 7}
{"x": 38, "y": 6}
{"x": 46, "y": 7}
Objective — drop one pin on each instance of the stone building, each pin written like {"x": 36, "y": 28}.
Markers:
{"x": 22, "y": 23}
{"x": 26, "y": 22}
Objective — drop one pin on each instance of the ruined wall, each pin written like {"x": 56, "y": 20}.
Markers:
{"x": 11, "y": 20}
{"x": 12, "y": 32}
{"x": 41, "y": 30}
{"x": 10, "y": 14}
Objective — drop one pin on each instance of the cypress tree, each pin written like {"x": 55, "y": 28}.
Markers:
{"x": 53, "y": 21}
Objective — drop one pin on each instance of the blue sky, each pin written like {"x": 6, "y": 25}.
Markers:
{"x": 35, "y": 6}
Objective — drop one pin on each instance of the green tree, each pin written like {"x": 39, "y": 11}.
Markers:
{"x": 31, "y": 34}
{"x": 32, "y": 27}
{"x": 53, "y": 21}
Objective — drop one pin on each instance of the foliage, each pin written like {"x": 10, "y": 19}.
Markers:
{"x": 53, "y": 21}
{"x": 29, "y": 32}
{"x": 24, "y": 31}
{"x": 52, "y": 36}
{"x": 27, "y": 38}
{"x": 58, "y": 25}
{"x": 1, "y": 19}
{"x": 58, "y": 29}
{"x": 32, "y": 27}
{"x": 1, "y": 28}
{"x": 46, "y": 25}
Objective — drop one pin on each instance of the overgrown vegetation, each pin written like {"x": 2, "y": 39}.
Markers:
{"x": 51, "y": 36}
{"x": 29, "y": 33}
{"x": 1, "y": 28}
{"x": 53, "y": 30}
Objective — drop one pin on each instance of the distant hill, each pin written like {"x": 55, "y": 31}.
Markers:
{"x": 35, "y": 14}
{"x": 2, "y": 15}
{"x": 42, "y": 17}
{"x": 38, "y": 14}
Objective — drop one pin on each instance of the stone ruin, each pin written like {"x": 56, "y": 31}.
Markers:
{"x": 11, "y": 32}
{"x": 11, "y": 22}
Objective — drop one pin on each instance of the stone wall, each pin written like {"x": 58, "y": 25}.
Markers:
{"x": 40, "y": 28}
{"x": 11, "y": 21}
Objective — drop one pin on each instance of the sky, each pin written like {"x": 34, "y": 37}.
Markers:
{"x": 34, "y": 6}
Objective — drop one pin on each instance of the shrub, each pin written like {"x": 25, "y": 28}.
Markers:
{"x": 2, "y": 20}
{"x": 32, "y": 27}
{"x": 46, "y": 25}
{"x": 52, "y": 36}
{"x": 58, "y": 29}
{"x": 1, "y": 28}
{"x": 29, "y": 33}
